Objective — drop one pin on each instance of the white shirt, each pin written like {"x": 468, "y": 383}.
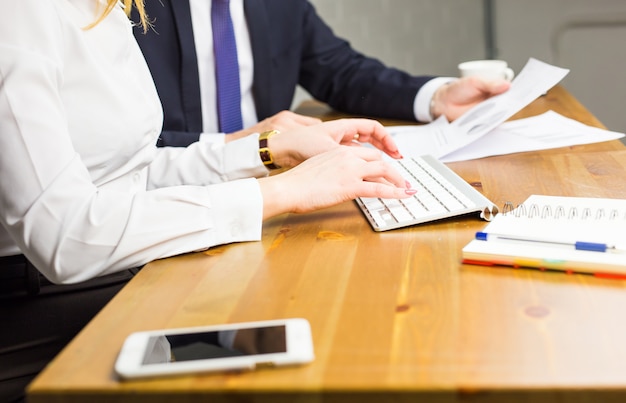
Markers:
{"x": 203, "y": 38}
{"x": 84, "y": 191}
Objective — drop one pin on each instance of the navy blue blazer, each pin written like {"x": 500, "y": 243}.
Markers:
{"x": 290, "y": 45}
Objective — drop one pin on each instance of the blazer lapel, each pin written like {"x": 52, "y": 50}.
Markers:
{"x": 189, "y": 80}
{"x": 259, "y": 27}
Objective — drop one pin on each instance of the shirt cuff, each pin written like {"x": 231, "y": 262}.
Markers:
{"x": 237, "y": 208}
{"x": 213, "y": 138}
{"x": 421, "y": 105}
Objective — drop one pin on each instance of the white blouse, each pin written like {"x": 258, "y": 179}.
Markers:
{"x": 84, "y": 191}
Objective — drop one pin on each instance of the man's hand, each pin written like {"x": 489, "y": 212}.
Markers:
{"x": 455, "y": 98}
{"x": 282, "y": 121}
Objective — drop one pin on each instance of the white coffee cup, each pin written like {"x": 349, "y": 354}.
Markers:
{"x": 490, "y": 69}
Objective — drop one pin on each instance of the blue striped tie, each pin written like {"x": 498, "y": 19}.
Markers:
{"x": 226, "y": 68}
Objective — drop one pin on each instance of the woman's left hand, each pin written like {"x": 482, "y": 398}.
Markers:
{"x": 292, "y": 147}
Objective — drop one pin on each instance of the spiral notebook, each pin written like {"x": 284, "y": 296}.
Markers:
{"x": 572, "y": 234}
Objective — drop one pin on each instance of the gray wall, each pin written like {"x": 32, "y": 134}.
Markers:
{"x": 419, "y": 36}
{"x": 586, "y": 36}
{"x": 433, "y": 36}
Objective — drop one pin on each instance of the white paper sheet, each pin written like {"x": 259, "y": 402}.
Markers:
{"x": 440, "y": 138}
{"x": 542, "y": 132}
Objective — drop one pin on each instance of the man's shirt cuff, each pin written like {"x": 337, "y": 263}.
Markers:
{"x": 212, "y": 138}
{"x": 421, "y": 105}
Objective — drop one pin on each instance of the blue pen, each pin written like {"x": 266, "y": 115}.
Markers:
{"x": 587, "y": 246}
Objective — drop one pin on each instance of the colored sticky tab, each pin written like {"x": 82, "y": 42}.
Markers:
{"x": 481, "y": 236}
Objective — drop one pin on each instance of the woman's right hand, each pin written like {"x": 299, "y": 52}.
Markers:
{"x": 341, "y": 174}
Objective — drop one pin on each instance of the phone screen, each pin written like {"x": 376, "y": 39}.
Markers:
{"x": 217, "y": 344}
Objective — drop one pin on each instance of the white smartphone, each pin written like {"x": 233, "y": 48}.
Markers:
{"x": 237, "y": 346}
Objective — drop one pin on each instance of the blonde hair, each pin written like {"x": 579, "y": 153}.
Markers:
{"x": 128, "y": 6}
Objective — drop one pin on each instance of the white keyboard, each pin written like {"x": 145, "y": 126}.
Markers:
{"x": 441, "y": 193}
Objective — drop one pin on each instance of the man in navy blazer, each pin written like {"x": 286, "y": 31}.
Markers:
{"x": 290, "y": 45}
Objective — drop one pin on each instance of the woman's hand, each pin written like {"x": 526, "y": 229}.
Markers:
{"x": 341, "y": 174}
{"x": 290, "y": 148}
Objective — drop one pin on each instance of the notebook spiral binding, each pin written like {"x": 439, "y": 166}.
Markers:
{"x": 560, "y": 212}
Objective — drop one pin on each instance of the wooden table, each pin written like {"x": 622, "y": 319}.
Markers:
{"x": 395, "y": 315}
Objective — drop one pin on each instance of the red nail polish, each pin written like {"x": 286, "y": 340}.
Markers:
{"x": 410, "y": 192}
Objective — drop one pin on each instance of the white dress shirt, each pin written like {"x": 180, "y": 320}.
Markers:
{"x": 203, "y": 38}
{"x": 84, "y": 191}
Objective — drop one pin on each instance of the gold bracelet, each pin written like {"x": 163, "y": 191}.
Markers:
{"x": 264, "y": 151}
